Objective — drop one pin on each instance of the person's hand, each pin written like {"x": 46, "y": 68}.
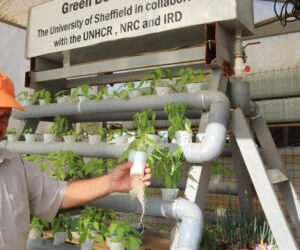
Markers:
{"x": 120, "y": 180}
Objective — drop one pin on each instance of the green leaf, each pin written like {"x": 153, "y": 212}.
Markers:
{"x": 70, "y": 236}
{"x": 133, "y": 243}
{"x": 168, "y": 181}
{"x": 130, "y": 85}
{"x": 86, "y": 222}
{"x": 112, "y": 228}
{"x": 96, "y": 225}
{"x": 99, "y": 238}
{"x": 83, "y": 237}
{"x": 120, "y": 231}
{"x": 116, "y": 94}
{"x": 187, "y": 125}
{"x": 124, "y": 94}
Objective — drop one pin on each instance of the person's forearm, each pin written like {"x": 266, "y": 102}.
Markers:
{"x": 83, "y": 191}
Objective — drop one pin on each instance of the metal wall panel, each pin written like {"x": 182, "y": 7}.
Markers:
{"x": 274, "y": 53}
{"x": 274, "y": 84}
{"x": 280, "y": 110}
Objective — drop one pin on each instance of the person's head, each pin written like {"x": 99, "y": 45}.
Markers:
{"x": 7, "y": 102}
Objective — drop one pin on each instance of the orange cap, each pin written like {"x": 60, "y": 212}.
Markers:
{"x": 7, "y": 94}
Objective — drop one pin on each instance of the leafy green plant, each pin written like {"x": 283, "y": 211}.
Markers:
{"x": 142, "y": 143}
{"x": 124, "y": 94}
{"x": 168, "y": 166}
{"x": 28, "y": 131}
{"x": 266, "y": 236}
{"x": 39, "y": 160}
{"x": 11, "y": 135}
{"x": 234, "y": 229}
{"x": 60, "y": 94}
{"x": 70, "y": 132}
{"x": 94, "y": 167}
{"x": 62, "y": 223}
{"x": 156, "y": 78}
{"x": 38, "y": 224}
{"x": 142, "y": 121}
{"x": 102, "y": 92}
{"x": 25, "y": 95}
{"x": 209, "y": 240}
{"x": 94, "y": 129}
{"x": 177, "y": 119}
{"x": 110, "y": 164}
{"x": 82, "y": 90}
{"x": 131, "y": 86}
{"x": 33, "y": 157}
{"x": 228, "y": 171}
{"x": 108, "y": 215}
{"x": 91, "y": 225}
{"x": 58, "y": 165}
{"x": 218, "y": 169}
{"x": 29, "y": 135}
{"x": 66, "y": 165}
{"x": 124, "y": 90}
{"x": 11, "y": 131}
{"x": 188, "y": 75}
{"x": 122, "y": 232}
{"x": 60, "y": 126}
{"x": 117, "y": 132}
{"x": 43, "y": 94}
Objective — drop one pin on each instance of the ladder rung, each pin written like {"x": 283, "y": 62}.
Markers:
{"x": 276, "y": 176}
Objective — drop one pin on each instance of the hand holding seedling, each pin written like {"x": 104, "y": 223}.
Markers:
{"x": 84, "y": 191}
{"x": 120, "y": 179}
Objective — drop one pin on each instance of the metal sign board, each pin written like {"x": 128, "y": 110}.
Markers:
{"x": 62, "y": 25}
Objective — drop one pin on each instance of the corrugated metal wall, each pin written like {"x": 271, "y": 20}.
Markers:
{"x": 275, "y": 84}
{"x": 277, "y": 94}
{"x": 275, "y": 77}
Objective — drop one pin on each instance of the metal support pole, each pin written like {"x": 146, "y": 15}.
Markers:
{"x": 286, "y": 188}
{"x": 245, "y": 191}
{"x": 261, "y": 182}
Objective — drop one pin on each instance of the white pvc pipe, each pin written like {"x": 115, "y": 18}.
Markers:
{"x": 238, "y": 54}
{"x": 240, "y": 97}
{"x": 127, "y": 116}
{"x": 100, "y": 149}
{"x": 239, "y": 67}
{"x": 210, "y": 147}
{"x": 191, "y": 226}
{"x": 189, "y": 214}
{"x": 202, "y": 99}
{"x": 215, "y": 133}
{"x": 214, "y": 137}
{"x": 222, "y": 187}
{"x": 239, "y": 93}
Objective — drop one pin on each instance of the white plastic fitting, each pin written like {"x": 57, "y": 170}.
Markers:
{"x": 210, "y": 147}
